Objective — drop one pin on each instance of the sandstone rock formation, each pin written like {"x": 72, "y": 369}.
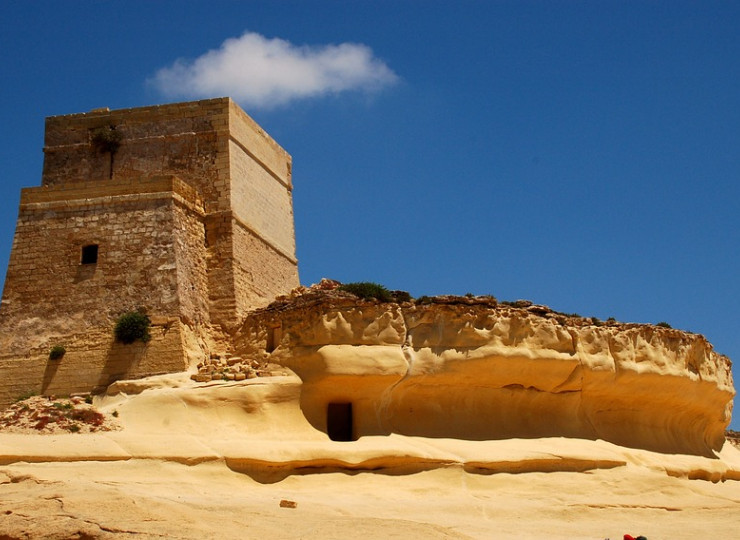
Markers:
{"x": 194, "y": 459}
{"x": 472, "y": 369}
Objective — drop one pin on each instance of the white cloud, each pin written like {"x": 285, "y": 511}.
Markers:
{"x": 261, "y": 72}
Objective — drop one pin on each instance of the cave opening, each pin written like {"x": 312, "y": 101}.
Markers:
{"x": 339, "y": 422}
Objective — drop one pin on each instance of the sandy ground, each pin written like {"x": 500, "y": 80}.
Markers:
{"x": 210, "y": 463}
{"x": 161, "y": 499}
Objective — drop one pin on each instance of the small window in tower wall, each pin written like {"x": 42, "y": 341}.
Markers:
{"x": 89, "y": 254}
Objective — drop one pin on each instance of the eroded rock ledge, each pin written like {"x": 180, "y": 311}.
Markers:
{"x": 471, "y": 368}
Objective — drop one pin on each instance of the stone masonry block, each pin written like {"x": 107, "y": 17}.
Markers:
{"x": 193, "y": 221}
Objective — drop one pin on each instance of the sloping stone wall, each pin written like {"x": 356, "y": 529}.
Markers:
{"x": 93, "y": 360}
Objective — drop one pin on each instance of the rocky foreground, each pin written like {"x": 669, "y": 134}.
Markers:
{"x": 237, "y": 459}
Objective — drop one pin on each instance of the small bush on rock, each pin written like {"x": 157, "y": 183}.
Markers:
{"x": 401, "y": 296}
{"x": 133, "y": 326}
{"x": 25, "y": 395}
{"x": 56, "y": 352}
{"x": 664, "y": 324}
{"x": 107, "y": 139}
{"x": 521, "y": 304}
{"x": 367, "y": 290}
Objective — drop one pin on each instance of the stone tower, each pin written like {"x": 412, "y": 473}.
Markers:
{"x": 184, "y": 210}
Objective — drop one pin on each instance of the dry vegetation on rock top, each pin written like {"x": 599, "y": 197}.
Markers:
{"x": 337, "y": 294}
{"x": 49, "y": 415}
{"x": 733, "y": 437}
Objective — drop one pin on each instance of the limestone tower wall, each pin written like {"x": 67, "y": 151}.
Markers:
{"x": 184, "y": 210}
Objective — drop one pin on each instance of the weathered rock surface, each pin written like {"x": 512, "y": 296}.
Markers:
{"x": 476, "y": 370}
{"x": 200, "y": 460}
{"x": 209, "y": 460}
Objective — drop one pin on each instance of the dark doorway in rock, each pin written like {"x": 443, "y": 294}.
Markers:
{"x": 339, "y": 425}
{"x": 274, "y": 335}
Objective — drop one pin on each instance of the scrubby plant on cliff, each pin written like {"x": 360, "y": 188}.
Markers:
{"x": 521, "y": 304}
{"x": 133, "y": 326}
{"x": 663, "y": 324}
{"x": 25, "y": 395}
{"x": 367, "y": 290}
{"x": 56, "y": 352}
{"x": 106, "y": 139}
{"x": 401, "y": 296}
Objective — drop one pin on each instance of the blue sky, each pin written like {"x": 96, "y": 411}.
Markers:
{"x": 583, "y": 155}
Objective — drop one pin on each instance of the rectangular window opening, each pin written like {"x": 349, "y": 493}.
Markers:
{"x": 89, "y": 254}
